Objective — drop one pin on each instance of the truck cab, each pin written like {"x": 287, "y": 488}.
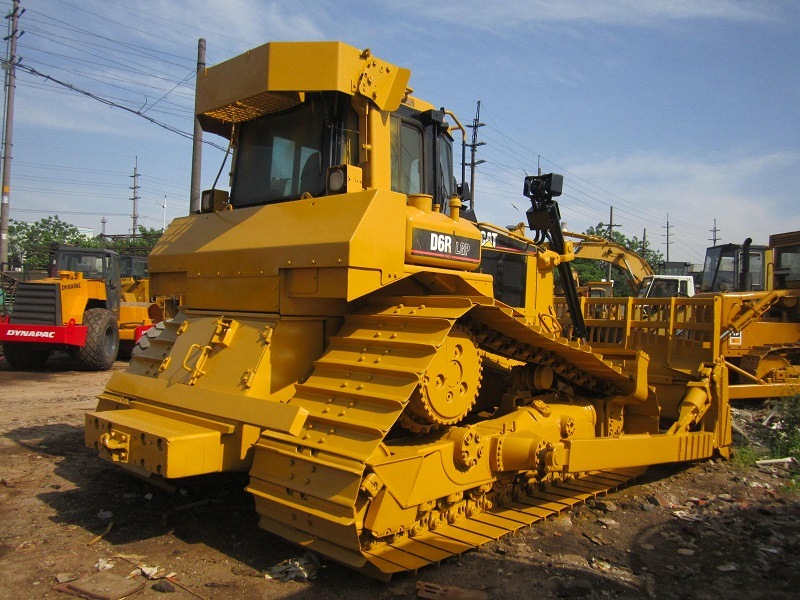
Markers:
{"x": 667, "y": 286}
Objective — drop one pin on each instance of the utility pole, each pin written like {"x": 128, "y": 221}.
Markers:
{"x": 644, "y": 241}
{"x": 476, "y": 124}
{"x": 135, "y": 188}
{"x": 667, "y": 236}
{"x": 714, "y": 239}
{"x": 610, "y": 226}
{"x": 11, "y": 85}
{"x": 197, "y": 147}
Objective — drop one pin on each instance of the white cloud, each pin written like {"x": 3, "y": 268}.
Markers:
{"x": 739, "y": 191}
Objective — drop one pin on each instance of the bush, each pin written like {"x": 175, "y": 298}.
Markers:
{"x": 785, "y": 438}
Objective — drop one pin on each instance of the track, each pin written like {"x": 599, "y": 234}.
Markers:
{"x": 314, "y": 489}
{"x": 774, "y": 363}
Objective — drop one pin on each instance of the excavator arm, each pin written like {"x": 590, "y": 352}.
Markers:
{"x": 596, "y": 248}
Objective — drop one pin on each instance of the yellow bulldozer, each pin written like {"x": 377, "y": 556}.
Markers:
{"x": 391, "y": 374}
{"x": 82, "y": 309}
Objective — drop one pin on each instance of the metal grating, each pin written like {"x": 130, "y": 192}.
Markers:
{"x": 252, "y": 107}
{"x": 36, "y": 304}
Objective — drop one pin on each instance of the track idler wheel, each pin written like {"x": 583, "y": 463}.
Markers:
{"x": 773, "y": 368}
{"x": 449, "y": 387}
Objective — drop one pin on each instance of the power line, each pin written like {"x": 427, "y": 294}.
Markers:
{"x": 68, "y": 212}
{"x": 107, "y": 102}
{"x": 159, "y": 55}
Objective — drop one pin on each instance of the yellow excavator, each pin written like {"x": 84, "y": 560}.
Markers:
{"x": 641, "y": 277}
{"x": 391, "y": 374}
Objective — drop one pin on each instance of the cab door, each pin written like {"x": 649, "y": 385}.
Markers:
{"x": 112, "y": 280}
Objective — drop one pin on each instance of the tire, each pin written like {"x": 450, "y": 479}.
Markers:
{"x": 148, "y": 336}
{"x": 23, "y": 357}
{"x": 102, "y": 340}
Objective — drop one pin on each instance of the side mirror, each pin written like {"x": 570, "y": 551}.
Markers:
{"x": 464, "y": 192}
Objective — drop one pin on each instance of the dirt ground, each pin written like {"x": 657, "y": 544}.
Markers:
{"x": 708, "y": 530}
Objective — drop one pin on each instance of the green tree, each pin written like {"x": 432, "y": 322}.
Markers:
{"x": 30, "y": 243}
{"x": 592, "y": 270}
{"x": 134, "y": 245}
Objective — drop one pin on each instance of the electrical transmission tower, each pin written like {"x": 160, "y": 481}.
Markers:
{"x": 135, "y": 188}
{"x": 473, "y": 148}
{"x": 714, "y": 239}
{"x": 610, "y": 226}
{"x": 667, "y": 235}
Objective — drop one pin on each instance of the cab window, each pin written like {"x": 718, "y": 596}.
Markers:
{"x": 407, "y": 172}
{"x": 445, "y": 172}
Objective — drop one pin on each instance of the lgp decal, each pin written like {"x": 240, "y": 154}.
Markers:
{"x": 444, "y": 245}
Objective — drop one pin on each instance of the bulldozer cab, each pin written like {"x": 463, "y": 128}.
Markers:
{"x": 734, "y": 268}
{"x": 133, "y": 267}
{"x": 318, "y": 132}
{"x": 95, "y": 264}
{"x": 786, "y": 247}
{"x": 285, "y": 155}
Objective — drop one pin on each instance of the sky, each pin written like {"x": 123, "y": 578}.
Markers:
{"x": 678, "y": 116}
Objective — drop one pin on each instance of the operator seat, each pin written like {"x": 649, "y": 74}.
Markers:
{"x": 311, "y": 175}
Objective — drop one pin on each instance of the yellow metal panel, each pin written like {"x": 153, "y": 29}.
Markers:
{"x": 637, "y": 450}
{"x": 267, "y": 79}
{"x": 224, "y": 428}
{"x": 160, "y": 444}
{"x": 256, "y": 411}
{"x": 241, "y": 293}
{"x": 75, "y": 293}
{"x": 131, "y": 316}
{"x": 217, "y": 249}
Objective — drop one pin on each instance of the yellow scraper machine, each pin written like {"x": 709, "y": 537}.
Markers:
{"x": 391, "y": 374}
